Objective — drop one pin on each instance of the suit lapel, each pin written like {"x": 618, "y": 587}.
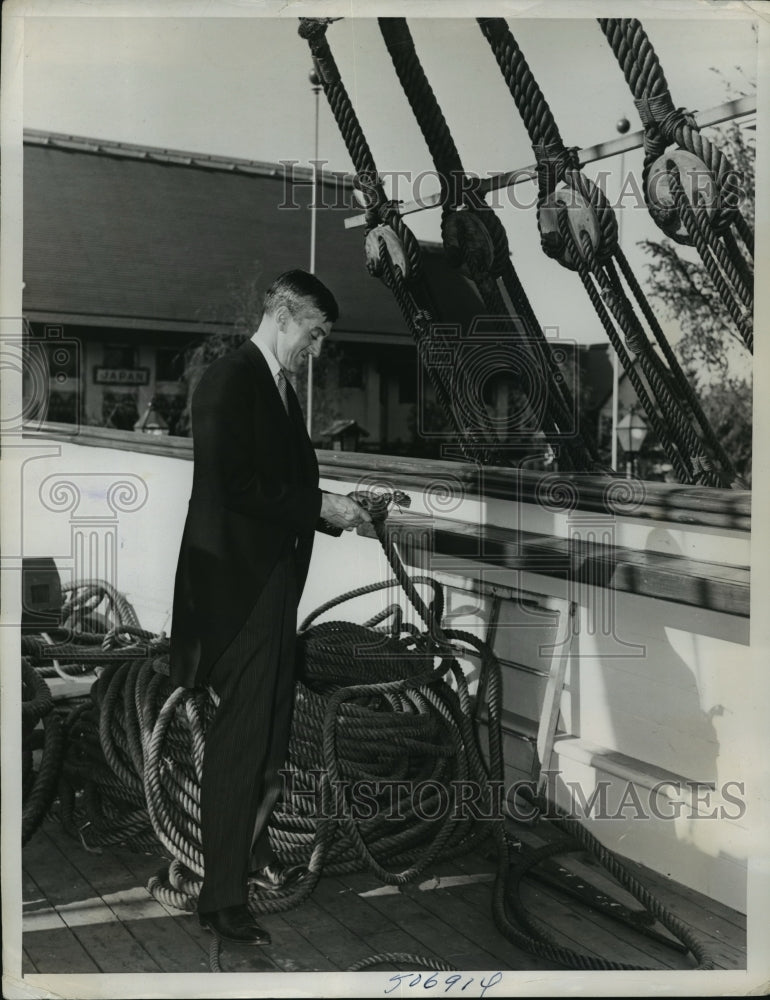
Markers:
{"x": 303, "y": 455}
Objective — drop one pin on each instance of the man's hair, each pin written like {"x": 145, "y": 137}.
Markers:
{"x": 295, "y": 290}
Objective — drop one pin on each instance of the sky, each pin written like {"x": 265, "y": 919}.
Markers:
{"x": 238, "y": 86}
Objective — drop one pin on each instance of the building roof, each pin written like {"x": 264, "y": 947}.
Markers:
{"x": 126, "y": 235}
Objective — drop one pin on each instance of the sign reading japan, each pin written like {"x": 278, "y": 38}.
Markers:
{"x": 121, "y": 376}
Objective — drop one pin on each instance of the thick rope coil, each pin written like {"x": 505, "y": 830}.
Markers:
{"x": 42, "y": 734}
{"x": 371, "y": 705}
{"x": 401, "y": 959}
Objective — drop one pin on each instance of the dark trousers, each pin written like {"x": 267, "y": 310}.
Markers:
{"x": 247, "y": 740}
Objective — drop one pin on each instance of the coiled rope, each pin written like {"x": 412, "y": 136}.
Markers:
{"x": 373, "y": 703}
{"x": 41, "y": 733}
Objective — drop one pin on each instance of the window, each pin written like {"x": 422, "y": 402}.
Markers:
{"x": 351, "y": 373}
{"x": 119, "y": 409}
{"x": 407, "y": 384}
{"x": 62, "y": 407}
{"x": 172, "y": 408}
{"x": 169, "y": 364}
{"x": 119, "y": 356}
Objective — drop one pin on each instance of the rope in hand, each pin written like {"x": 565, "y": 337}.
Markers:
{"x": 373, "y": 703}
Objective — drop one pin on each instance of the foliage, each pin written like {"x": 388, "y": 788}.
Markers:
{"x": 326, "y": 389}
{"x": 728, "y": 408}
{"x": 240, "y": 318}
{"x": 710, "y": 348}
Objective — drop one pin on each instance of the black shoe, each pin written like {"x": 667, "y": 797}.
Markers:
{"x": 277, "y": 876}
{"x": 234, "y": 923}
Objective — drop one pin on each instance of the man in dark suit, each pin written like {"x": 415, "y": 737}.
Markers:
{"x": 243, "y": 561}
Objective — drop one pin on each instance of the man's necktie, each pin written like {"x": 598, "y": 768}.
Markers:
{"x": 283, "y": 388}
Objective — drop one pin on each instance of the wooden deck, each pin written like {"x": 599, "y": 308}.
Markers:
{"x": 90, "y": 912}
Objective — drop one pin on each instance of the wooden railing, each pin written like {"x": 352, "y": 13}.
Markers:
{"x": 671, "y": 502}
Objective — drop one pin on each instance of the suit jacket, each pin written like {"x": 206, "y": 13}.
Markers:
{"x": 254, "y": 496}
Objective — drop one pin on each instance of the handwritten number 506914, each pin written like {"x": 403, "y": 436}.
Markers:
{"x": 415, "y": 979}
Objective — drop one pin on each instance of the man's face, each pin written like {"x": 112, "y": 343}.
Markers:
{"x": 301, "y": 335}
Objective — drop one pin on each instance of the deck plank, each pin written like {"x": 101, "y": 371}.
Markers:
{"x": 479, "y": 927}
{"x": 142, "y": 866}
{"x": 701, "y": 912}
{"x": 93, "y": 913}
{"x": 574, "y": 926}
{"x": 377, "y": 929}
{"x": 331, "y": 937}
{"x": 442, "y": 939}
{"x": 58, "y": 951}
{"x": 722, "y": 929}
{"x": 28, "y": 967}
{"x": 108, "y": 942}
{"x": 385, "y": 931}
{"x": 54, "y": 948}
{"x": 290, "y": 950}
{"x": 587, "y": 932}
{"x": 146, "y": 920}
{"x": 724, "y": 938}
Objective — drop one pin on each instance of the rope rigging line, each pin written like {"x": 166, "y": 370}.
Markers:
{"x": 700, "y": 233}
{"x": 405, "y": 276}
{"x": 474, "y": 441}
{"x": 387, "y": 704}
{"x": 459, "y": 398}
{"x": 578, "y": 228}
{"x": 703, "y": 218}
{"x": 658, "y": 425}
{"x": 474, "y": 236}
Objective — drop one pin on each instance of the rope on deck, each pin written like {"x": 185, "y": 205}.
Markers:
{"x": 41, "y": 731}
{"x": 401, "y": 959}
{"x": 373, "y": 703}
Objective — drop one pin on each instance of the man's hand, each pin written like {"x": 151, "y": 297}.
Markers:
{"x": 343, "y": 512}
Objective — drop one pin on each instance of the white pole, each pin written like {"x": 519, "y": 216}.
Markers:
{"x": 316, "y": 91}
